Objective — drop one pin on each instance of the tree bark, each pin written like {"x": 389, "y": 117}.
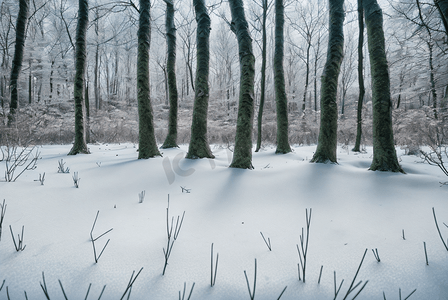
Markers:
{"x": 362, "y": 90}
{"x": 242, "y": 155}
{"x": 22, "y": 19}
{"x": 80, "y": 145}
{"x": 147, "y": 139}
{"x": 327, "y": 141}
{"x": 384, "y": 155}
{"x": 279, "y": 82}
{"x": 171, "y": 138}
{"x": 199, "y": 147}
{"x": 263, "y": 77}
{"x": 442, "y": 7}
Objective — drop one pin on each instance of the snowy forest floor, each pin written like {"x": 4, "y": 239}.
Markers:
{"x": 353, "y": 209}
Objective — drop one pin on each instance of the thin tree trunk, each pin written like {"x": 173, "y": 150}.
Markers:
{"x": 86, "y": 97}
{"x": 307, "y": 76}
{"x": 432, "y": 80}
{"x": 242, "y": 155}
{"x": 263, "y": 77}
{"x": 199, "y": 147}
{"x": 30, "y": 85}
{"x": 147, "y": 139}
{"x": 384, "y": 155}
{"x": 22, "y": 19}
{"x": 279, "y": 82}
{"x": 80, "y": 145}
{"x": 171, "y": 138}
{"x": 327, "y": 142}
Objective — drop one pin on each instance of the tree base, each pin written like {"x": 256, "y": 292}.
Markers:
{"x": 384, "y": 167}
{"x": 242, "y": 164}
{"x": 79, "y": 149}
{"x": 170, "y": 142}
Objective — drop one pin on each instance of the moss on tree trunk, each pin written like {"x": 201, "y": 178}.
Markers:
{"x": 80, "y": 145}
{"x": 242, "y": 154}
{"x": 171, "y": 138}
{"x": 327, "y": 142}
{"x": 279, "y": 82}
{"x": 356, "y": 148}
{"x": 384, "y": 155}
{"x": 147, "y": 140}
{"x": 22, "y": 19}
{"x": 199, "y": 147}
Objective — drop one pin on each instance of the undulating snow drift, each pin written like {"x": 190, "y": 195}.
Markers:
{"x": 353, "y": 209}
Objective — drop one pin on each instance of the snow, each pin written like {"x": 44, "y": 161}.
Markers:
{"x": 353, "y": 209}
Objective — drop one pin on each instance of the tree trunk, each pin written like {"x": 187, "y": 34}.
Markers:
{"x": 263, "y": 77}
{"x": 30, "y": 85}
{"x": 147, "y": 139}
{"x": 384, "y": 155}
{"x": 171, "y": 138}
{"x": 22, "y": 19}
{"x": 327, "y": 141}
{"x": 362, "y": 90}
{"x": 279, "y": 82}
{"x": 442, "y": 7}
{"x": 432, "y": 80}
{"x": 199, "y": 147}
{"x": 80, "y": 145}
{"x": 87, "y": 100}
{"x": 242, "y": 155}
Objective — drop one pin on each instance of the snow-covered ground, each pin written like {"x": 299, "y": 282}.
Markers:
{"x": 353, "y": 209}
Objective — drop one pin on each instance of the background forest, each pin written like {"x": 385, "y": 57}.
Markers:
{"x": 415, "y": 44}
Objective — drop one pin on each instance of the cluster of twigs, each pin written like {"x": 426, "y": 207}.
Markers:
{"x": 19, "y": 245}
{"x": 352, "y": 287}
{"x": 141, "y": 196}
{"x": 41, "y": 178}
{"x": 303, "y": 250}
{"x": 171, "y": 236}
{"x": 62, "y": 168}
{"x": 183, "y": 294}
{"x": 76, "y": 179}
{"x": 93, "y": 240}
{"x": 435, "y": 158}
{"x": 399, "y": 294}
{"x": 18, "y": 159}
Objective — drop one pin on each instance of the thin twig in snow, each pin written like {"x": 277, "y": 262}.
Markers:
{"x": 268, "y": 242}
{"x": 213, "y": 275}
{"x": 252, "y": 293}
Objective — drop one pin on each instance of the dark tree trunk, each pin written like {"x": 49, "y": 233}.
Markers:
{"x": 279, "y": 82}
{"x": 80, "y": 145}
{"x": 87, "y": 100}
{"x": 199, "y": 147}
{"x": 362, "y": 90}
{"x": 327, "y": 142}
{"x": 242, "y": 155}
{"x": 442, "y": 7}
{"x": 30, "y": 85}
{"x": 147, "y": 139}
{"x": 171, "y": 138}
{"x": 384, "y": 155}
{"x": 263, "y": 77}
{"x": 22, "y": 19}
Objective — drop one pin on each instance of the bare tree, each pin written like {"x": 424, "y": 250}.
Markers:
{"x": 80, "y": 145}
